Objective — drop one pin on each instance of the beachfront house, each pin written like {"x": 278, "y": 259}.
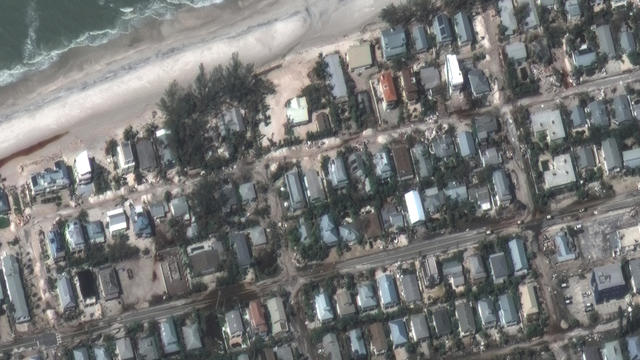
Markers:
{"x": 82, "y": 168}
{"x": 50, "y": 180}
{"x": 297, "y": 111}
{"x": 126, "y": 159}
{"x": 393, "y": 43}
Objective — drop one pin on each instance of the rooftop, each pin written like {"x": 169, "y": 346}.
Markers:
{"x": 561, "y": 172}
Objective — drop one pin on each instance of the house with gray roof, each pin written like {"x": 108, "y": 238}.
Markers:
{"x": 328, "y": 231}
{"x": 230, "y": 121}
{"x": 13, "y": 283}
{"x": 584, "y": 57}
{"x": 634, "y": 272}
{"x": 441, "y": 321}
{"x": 486, "y": 312}
{"x": 516, "y": 51}
{"x": 621, "y": 110}
{"x": 578, "y": 117}
{"x": 466, "y": 145}
{"x": 393, "y": 43}
{"x": 611, "y": 155}
{"x": 422, "y": 164}
{"x": 95, "y": 232}
{"x": 349, "y": 233}
{"x": 419, "y": 327}
{"x": 502, "y": 188}
{"x": 442, "y": 29}
{"x": 466, "y": 318}
{"x": 518, "y": 257}
{"x": 479, "y": 83}
{"x": 80, "y": 353}
{"x": 191, "y": 337}
{"x": 532, "y": 21}
{"x": 277, "y": 316}
{"x": 429, "y": 274}
{"x": 490, "y": 156}
{"x": 410, "y": 289}
{"x": 241, "y": 249}
{"x": 398, "y": 333}
{"x": 100, "y": 353}
{"x": 382, "y": 165}
{"x": 499, "y": 267}
{"x": 235, "y": 326}
{"x": 485, "y": 126}
{"x": 633, "y": 347}
{"x": 313, "y": 186}
{"x": 433, "y": 199}
{"x": 454, "y": 272}
{"x": 387, "y": 291}
{"x": 331, "y": 347}
{"x": 549, "y": 123}
{"x": 564, "y": 249}
{"x": 247, "y": 192}
{"x": 477, "y": 272}
{"x": 463, "y": 28}
{"x": 294, "y": 187}
{"x": 356, "y": 342}
{"x": 572, "y": 9}
{"x": 507, "y": 310}
{"x": 507, "y": 16}
{"x": 124, "y": 350}
{"x": 605, "y": 40}
{"x": 598, "y": 114}
{"x": 66, "y": 294}
{"x": 481, "y": 196}
{"x": 324, "y": 311}
{"x": 257, "y": 236}
{"x": 366, "y": 298}
{"x": 169, "y": 336}
{"x": 337, "y": 173}
{"x": 611, "y": 350}
{"x": 336, "y": 77}
{"x": 608, "y": 283}
{"x": 179, "y": 207}
{"x": 631, "y": 158}
{"x": 560, "y": 173}
{"x": 456, "y": 192}
{"x": 148, "y": 348}
{"x": 284, "y": 352}
{"x": 419, "y": 36}
{"x": 627, "y": 41}
{"x": 429, "y": 78}
{"x": 442, "y": 146}
{"x": 585, "y": 158}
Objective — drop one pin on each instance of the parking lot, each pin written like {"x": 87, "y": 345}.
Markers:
{"x": 579, "y": 292}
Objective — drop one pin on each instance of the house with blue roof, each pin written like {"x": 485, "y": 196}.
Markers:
{"x": 419, "y": 36}
{"x": 633, "y": 347}
{"x": 366, "y": 298}
{"x": 442, "y": 29}
{"x": 564, "y": 252}
{"x": 324, "y": 311}
{"x": 393, "y": 43}
{"x": 518, "y": 257}
{"x": 388, "y": 291}
{"x": 466, "y": 144}
{"x": 398, "y": 332}
{"x": 486, "y": 312}
{"x": 463, "y": 28}
{"x": 356, "y": 340}
{"x": 56, "y": 245}
{"x": 169, "y": 336}
{"x": 508, "y": 313}
{"x": 328, "y": 231}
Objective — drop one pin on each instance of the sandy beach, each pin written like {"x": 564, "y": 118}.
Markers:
{"x": 92, "y": 94}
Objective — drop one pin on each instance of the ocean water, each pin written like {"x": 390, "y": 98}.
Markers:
{"x": 34, "y": 33}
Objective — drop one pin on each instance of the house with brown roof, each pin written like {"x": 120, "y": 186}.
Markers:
{"x": 402, "y": 162}
{"x": 529, "y": 301}
{"x": 377, "y": 338}
{"x": 257, "y": 318}
{"x": 388, "y": 90}
{"x": 344, "y": 303}
{"x": 408, "y": 85}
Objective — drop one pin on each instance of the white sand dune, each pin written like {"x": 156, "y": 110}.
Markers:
{"x": 92, "y": 94}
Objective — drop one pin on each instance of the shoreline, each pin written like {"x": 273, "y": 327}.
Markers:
{"x": 90, "y": 101}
